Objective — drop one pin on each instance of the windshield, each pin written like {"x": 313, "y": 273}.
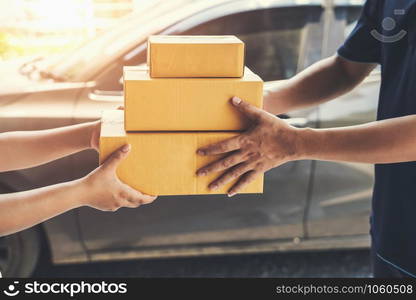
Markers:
{"x": 83, "y": 62}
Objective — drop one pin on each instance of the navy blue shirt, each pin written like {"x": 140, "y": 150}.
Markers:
{"x": 386, "y": 34}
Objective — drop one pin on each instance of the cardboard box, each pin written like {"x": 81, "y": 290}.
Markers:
{"x": 187, "y": 104}
{"x": 195, "y": 56}
{"x": 163, "y": 163}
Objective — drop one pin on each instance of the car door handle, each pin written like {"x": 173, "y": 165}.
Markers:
{"x": 106, "y": 96}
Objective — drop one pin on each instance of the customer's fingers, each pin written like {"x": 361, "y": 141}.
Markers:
{"x": 112, "y": 162}
{"x": 138, "y": 197}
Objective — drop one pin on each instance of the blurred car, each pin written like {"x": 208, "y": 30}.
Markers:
{"x": 306, "y": 204}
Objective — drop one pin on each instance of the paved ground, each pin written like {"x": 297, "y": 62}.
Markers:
{"x": 314, "y": 264}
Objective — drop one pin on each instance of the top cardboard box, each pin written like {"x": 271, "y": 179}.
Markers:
{"x": 195, "y": 56}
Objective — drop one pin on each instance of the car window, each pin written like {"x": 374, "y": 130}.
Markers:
{"x": 89, "y": 60}
{"x": 349, "y": 15}
{"x": 273, "y": 37}
{"x": 338, "y": 25}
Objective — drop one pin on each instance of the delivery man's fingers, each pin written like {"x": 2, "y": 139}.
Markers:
{"x": 250, "y": 111}
{"x": 222, "y": 164}
{"x": 225, "y": 146}
{"x": 234, "y": 143}
{"x": 243, "y": 182}
{"x": 116, "y": 157}
{"x": 231, "y": 174}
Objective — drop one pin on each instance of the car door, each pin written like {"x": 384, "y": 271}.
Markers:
{"x": 280, "y": 41}
{"x": 341, "y": 193}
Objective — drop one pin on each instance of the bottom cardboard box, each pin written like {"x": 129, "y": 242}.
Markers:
{"x": 164, "y": 163}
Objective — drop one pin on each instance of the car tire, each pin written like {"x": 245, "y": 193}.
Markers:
{"x": 20, "y": 253}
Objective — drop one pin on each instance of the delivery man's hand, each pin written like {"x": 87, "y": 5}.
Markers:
{"x": 269, "y": 143}
{"x": 104, "y": 191}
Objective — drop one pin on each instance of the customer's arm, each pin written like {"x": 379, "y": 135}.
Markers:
{"x": 321, "y": 82}
{"x": 24, "y": 149}
{"x": 271, "y": 142}
{"x": 101, "y": 189}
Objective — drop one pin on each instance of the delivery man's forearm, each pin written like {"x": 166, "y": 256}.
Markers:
{"x": 271, "y": 142}
{"x": 388, "y": 141}
{"x": 321, "y": 82}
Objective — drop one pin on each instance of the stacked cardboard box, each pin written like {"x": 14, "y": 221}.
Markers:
{"x": 179, "y": 105}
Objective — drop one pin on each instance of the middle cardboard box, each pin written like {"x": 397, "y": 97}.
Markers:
{"x": 187, "y": 104}
{"x": 164, "y": 163}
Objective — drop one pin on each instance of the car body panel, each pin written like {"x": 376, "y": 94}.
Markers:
{"x": 341, "y": 193}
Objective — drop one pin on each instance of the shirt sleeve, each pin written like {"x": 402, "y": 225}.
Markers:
{"x": 361, "y": 46}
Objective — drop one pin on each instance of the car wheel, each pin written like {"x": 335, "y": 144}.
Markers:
{"x": 19, "y": 253}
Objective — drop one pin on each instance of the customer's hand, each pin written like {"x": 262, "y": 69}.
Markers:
{"x": 269, "y": 143}
{"x": 95, "y": 130}
{"x": 104, "y": 191}
{"x": 95, "y": 135}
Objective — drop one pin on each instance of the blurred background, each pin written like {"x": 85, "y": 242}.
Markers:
{"x": 61, "y": 63}
{"x": 42, "y": 27}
